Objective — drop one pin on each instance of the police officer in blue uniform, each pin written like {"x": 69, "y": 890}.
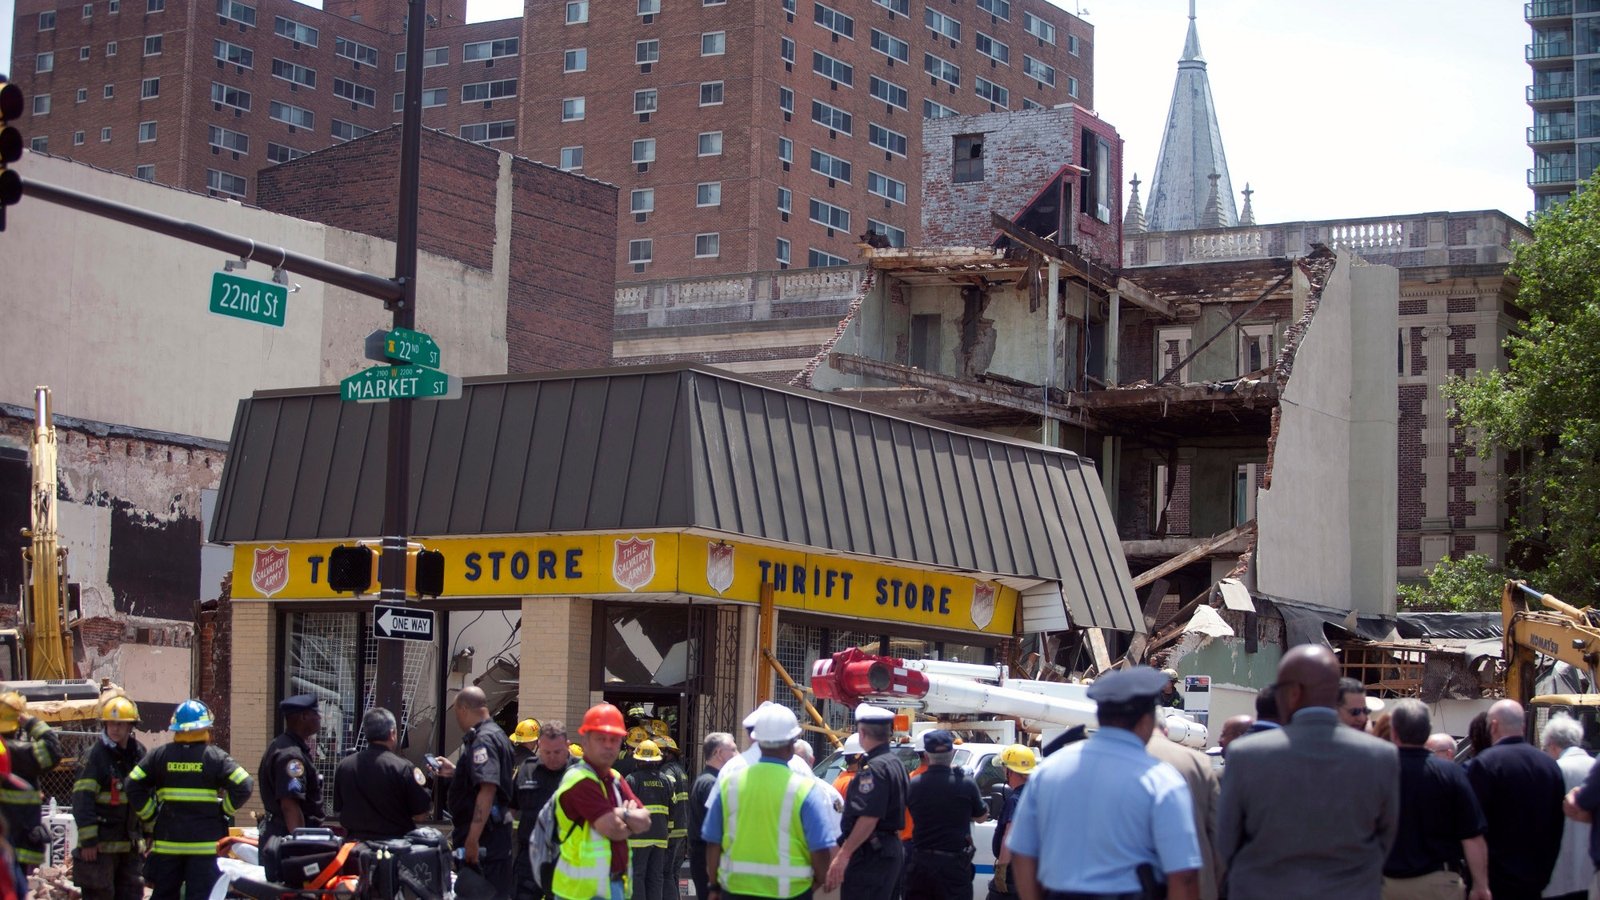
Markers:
{"x": 944, "y": 803}
{"x": 870, "y": 856}
{"x": 480, "y": 793}
{"x": 291, "y": 786}
{"x": 1105, "y": 819}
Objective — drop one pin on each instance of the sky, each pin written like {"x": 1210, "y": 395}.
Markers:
{"x": 1329, "y": 110}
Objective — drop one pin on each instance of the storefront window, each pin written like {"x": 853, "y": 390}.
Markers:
{"x": 646, "y": 646}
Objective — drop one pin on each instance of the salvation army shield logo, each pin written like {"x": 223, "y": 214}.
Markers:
{"x": 982, "y": 604}
{"x": 635, "y": 563}
{"x": 719, "y": 566}
{"x": 271, "y": 571}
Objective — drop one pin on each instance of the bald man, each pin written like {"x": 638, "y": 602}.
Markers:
{"x": 1520, "y": 789}
{"x": 1308, "y": 810}
{"x": 479, "y": 796}
{"x": 1442, "y": 745}
{"x": 1233, "y": 728}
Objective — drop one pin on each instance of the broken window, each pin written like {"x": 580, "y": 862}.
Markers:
{"x": 968, "y": 159}
{"x": 1095, "y": 191}
{"x": 1172, "y": 347}
{"x": 924, "y": 349}
{"x": 1256, "y": 347}
{"x": 646, "y": 645}
{"x": 1246, "y": 481}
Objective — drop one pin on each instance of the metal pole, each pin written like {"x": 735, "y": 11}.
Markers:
{"x": 388, "y": 680}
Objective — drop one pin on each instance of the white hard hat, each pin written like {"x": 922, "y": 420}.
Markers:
{"x": 852, "y": 745}
{"x": 866, "y": 712}
{"x": 775, "y": 724}
{"x": 1374, "y": 704}
{"x": 750, "y": 720}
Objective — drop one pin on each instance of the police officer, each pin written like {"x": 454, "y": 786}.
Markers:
{"x": 870, "y": 855}
{"x": 648, "y": 849}
{"x": 291, "y": 786}
{"x": 539, "y": 773}
{"x": 1018, "y": 763}
{"x": 35, "y": 748}
{"x": 1170, "y": 697}
{"x": 177, "y": 787}
{"x": 479, "y": 797}
{"x": 106, "y": 862}
{"x": 945, "y": 803}
{"x": 1067, "y": 838}
{"x": 377, "y": 793}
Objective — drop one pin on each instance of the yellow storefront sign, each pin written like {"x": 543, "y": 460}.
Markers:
{"x": 616, "y": 565}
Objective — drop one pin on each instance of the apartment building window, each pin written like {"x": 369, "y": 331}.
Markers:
{"x": 347, "y": 131}
{"x": 785, "y": 200}
{"x": 88, "y": 10}
{"x": 646, "y": 52}
{"x": 642, "y": 200}
{"x": 941, "y": 25}
{"x": 1029, "y": 104}
{"x": 932, "y": 110}
{"x": 152, "y": 45}
{"x": 489, "y": 132}
{"x": 829, "y": 216}
{"x": 295, "y": 31}
{"x": 155, "y": 6}
{"x": 571, "y": 158}
{"x": 644, "y": 150}
{"x": 649, "y": 7}
{"x": 968, "y": 159}
{"x": 707, "y": 245}
{"x": 786, "y": 49}
{"x": 789, "y": 8}
{"x": 895, "y": 236}
{"x": 644, "y": 101}
{"x": 577, "y": 12}
{"x": 991, "y": 92}
{"x": 891, "y": 46}
{"x": 899, "y": 7}
{"x": 145, "y": 172}
{"x": 488, "y": 90}
{"x": 41, "y": 104}
{"x": 431, "y": 97}
{"x": 713, "y": 2}
{"x": 108, "y": 92}
{"x": 889, "y": 92}
{"x": 225, "y": 139}
{"x": 833, "y": 69}
{"x": 572, "y": 109}
{"x": 833, "y": 20}
{"x": 1000, "y": 9}
{"x": 278, "y": 153}
{"x": 150, "y": 88}
{"x": 713, "y": 43}
{"x": 431, "y": 57}
{"x": 223, "y": 95}
{"x": 225, "y": 183}
{"x": 1096, "y": 186}
{"x": 1072, "y": 86}
{"x": 1039, "y": 28}
{"x": 821, "y": 259}
{"x": 639, "y": 251}
{"x": 83, "y": 53}
{"x": 500, "y": 49}
{"x": 294, "y": 116}
{"x": 991, "y": 48}
{"x": 243, "y": 13}
{"x": 783, "y": 252}
{"x": 294, "y": 73}
{"x": 830, "y": 166}
{"x": 147, "y": 132}
{"x": 941, "y": 69}
{"x": 1072, "y": 44}
{"x": 77, "y": 139}
{"x": 888, "y": 188}
{"x": 710, "y": 93}
{"x": 44, "y": 62}
{"x": 786, "y": 101}
{"x": 576, "y": 60}
{"x": 1038, "y": 71}
{"x": 831, "y": 117}
{"x": 83, "y": 95}
{"x": 886, "y": 139}
{"x": 113, "y": 6}
{"x": 785, "y": 150}
{"x": 355, "y": 93}
{"x": 243, "y": 57}
{"x": 355, "y": 52}
{"x": 710, "y": 143}
{"x": 47, "y": 20}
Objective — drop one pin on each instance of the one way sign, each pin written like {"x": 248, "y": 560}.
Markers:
{"x": 402, "y": 623}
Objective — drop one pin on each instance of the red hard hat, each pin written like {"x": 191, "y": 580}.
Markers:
{"x": 604, "y": 718}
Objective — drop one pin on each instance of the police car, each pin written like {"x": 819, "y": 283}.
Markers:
{"x": 981, "y": 762}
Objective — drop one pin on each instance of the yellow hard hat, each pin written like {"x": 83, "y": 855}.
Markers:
{"x": 1019, "y": 759}
{"x": 575, "y": 750}
{"x": 648, "y": 751}
{"x": 659, "y": 728}
{"x": 12, "y": 705}
{"x": 119, "y": 709}
{"x": 637, "y": 735}
{"x": 527, "y": 732}
{"x": 666, "y": 742}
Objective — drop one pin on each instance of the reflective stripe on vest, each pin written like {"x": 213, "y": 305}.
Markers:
{"x": 15, "y": 797}
{"x": 764, "y": 855}
{"x": 185, "y": 848}
{"x": 583, "y": 866}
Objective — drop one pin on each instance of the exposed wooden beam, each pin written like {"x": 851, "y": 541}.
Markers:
{"x": 1011, "y": 398}
{"x": 1099, "y": 276}
{"x": 1142, "y": 298}
{"x": 1238, "y": 317}
{"x": 1193, "y": 554}
{"x": 1117, "y": 398}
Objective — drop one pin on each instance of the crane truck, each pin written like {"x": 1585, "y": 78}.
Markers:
{"x": 1557, "y": 632}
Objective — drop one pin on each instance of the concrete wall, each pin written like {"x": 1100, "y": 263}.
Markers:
{"x": 1327, "y": 520}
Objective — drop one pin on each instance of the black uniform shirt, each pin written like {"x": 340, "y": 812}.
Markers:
{"x": 485, "y": 758}
{"x": 699, "y": 796}
{"x": 286, "y": 772}
{"x": 943, "y": 802}
{"x": 535, "y": 785}
{"x": 1437, "y": 812}
{"x": 377, "y": 792}
{"x": 878, "y": 790}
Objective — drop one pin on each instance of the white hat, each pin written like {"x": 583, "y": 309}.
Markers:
{"x": 866, "y": 712}
{"x": 750, "y": 720}
{"x": 774, "y": 724}
{"x": 1374, "y": 704}
{"x": 852, "y": 745}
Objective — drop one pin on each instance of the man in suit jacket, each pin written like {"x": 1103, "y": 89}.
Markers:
{"x": 1520, "y": 790}
{"x": 1195, "y": 767}
{"x": 1307, "y": 810}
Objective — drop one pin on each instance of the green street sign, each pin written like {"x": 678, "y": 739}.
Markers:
{"x": 411, "y": 382}
{"x": 248, "y": 299}
{"x": 407, "y": 346}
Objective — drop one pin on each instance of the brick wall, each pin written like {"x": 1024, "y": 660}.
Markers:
{"x": 254, "y": 649}
{"x": 553, "y": 682}
{"x": 563, "y": 245}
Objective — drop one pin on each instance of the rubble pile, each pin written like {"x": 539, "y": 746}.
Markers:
{"x": 53, "y": 883}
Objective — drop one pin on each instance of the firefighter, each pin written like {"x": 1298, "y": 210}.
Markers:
{"x": 35, "y": 748}
{"x": 291, "y": 786}
{"x": 649, "y": 849}
{"x": 677, "y": 835}
{"x": 626, "y": 761}
{"x": 106, "y": 861}
{"x": 187, "y": 791}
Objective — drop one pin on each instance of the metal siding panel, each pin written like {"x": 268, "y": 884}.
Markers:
{"x": 222, "y": 516}
{"x": 833, "y": 473}
{"x": 1115, "y": 581}
{"x": 315, "y": 463}
{"x": 809, "y": 498}
{"x": 575, "y": 479}
{"x": 349, "y": 455}
{"x": 918, "y": 542}
{"x": 1029, "y": 524}
{"x": 954, "y": 538}
{"x": 366, "y": 506}
{"x": 1043, "y": 612}
{"x": 1050, "y": 544}
{"x": 1088, "y": 553}
{"x": 283, "y": 466}
{"x": 438, "y": 446}
{"x": 250, "y": 462}
{"x": 786, "y": 476}
{"x": 481, "y": 450}
{"x": 930, "y": 497}
{"x": 623, "y": 461}
{"x": 519, "y": 405}
{"x": 663, "y": 498}
{"x": 748, "y": 445}
{"x": 716, "y": 494}
{"x": 544, "y": 456}
{"x": 999, "y": 503}
{"x": 974, "y": 514}
{"x": 879, "y": 540}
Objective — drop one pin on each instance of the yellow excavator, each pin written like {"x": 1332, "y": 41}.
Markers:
{"x": 1557, "y": 631}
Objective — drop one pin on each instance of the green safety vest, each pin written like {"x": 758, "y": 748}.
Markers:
{"x": 764, "y": 852}
{"x": 583, "y": 870}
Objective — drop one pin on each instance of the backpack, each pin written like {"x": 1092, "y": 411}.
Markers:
{"x": 543, "y": 844}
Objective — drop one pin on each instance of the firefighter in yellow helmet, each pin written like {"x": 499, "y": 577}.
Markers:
{"x": 35, "y": 748}
{"x": 1018, "y": 762}
{"x": 648, "y": 849}
{"x": 106, "y": 862}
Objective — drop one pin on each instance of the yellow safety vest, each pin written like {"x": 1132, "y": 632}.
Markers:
{"x": 764, "y": 852}
{"x": 583, "y": 870}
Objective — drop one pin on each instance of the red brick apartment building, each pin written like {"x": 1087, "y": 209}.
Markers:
{"x": 744, "y": 136}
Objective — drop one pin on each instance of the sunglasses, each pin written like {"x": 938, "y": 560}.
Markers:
{"x": 1356, "y": 710}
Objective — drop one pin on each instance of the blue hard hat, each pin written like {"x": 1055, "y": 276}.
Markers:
{"x": 191, "y": 715}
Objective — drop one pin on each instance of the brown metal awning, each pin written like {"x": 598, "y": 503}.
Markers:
{"x": 682, "y": 447}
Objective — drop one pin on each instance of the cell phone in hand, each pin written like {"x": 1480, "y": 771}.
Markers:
{"x": 431, "y": 760}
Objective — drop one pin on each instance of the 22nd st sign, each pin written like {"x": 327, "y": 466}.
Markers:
{"x": 413, "y": 382}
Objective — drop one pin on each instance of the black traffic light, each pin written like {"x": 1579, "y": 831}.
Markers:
{"x": 427, "y": 573}
{"x": 11, "y": 105}
{"x": 353, "y": 569}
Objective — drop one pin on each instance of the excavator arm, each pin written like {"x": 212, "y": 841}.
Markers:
{"x": 1560, "y": 631}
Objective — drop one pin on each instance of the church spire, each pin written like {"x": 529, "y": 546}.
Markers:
{"x": 1248, "y": 215}
{"x": 1133, "y": 220}
{"x": 1191, "y": 149}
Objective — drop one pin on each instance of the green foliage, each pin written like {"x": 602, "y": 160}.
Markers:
{"x": 1470, "y": 584}
{"x": 1544, "y": 407}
